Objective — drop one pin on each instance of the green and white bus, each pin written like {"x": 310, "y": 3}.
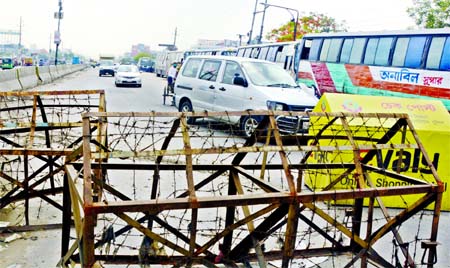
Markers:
{"x": 7, "y": 63}
{"x": 414, "y": 63}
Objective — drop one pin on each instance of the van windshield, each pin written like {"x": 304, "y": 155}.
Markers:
{"x": 268, "y": 75}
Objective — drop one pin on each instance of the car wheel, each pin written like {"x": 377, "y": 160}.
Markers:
{"x": 117, "y": 85}
{"x": 100, "y": 74}
{"x": 248, "y": 125}
{"x": 158, "y": 75}
{"x": 186, "y": 106}
{"x": 139, "y": 85}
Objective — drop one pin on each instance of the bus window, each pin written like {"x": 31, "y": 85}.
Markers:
{"x": 383, "y": 51}
{"x": 371, "y": 49}
{"x": 287, "y": 62}
{"x": 346, "y": 49}
{"x": 445, "y": 62}
{"x": 279, "y": 58}
{"x": 401, "y": 46}
{"x": 435, "y": 53}
{"x": 415, "y": 52}
{"x": 272, "y": 53}
{"x": 306, "y": 49}
{"x": 247, "y": 52}
{"x": 324, "y": 52}
{"x": 357, "y": 50}
{"x": 240, "y": 52}
{"x": 315, "y": 49}
{"x": 263, "y": 53}
{"x": 255, "y": 52}
{"x": 333, "y": 51}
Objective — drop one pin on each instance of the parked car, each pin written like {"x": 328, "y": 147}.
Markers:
{"x": 106, "y": 67}
{"x": 223, "y": 83}
{"x": 128, "y": 75}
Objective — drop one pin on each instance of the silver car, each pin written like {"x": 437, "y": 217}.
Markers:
{"x": 128, "y": 75}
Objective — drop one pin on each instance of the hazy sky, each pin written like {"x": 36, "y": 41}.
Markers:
{"x": 91, "y": 27}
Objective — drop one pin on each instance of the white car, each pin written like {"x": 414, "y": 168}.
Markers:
{"x": 225, "y": 83}
{"x": 128, "y": 75}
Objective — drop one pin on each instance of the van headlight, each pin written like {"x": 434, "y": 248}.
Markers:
{"x": 276, "y": 106}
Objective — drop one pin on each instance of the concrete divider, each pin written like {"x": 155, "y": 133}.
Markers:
{"x": 28, "y": 77}
{"x": 44, "y": 74}
{"x": 9, "y": 81}
{"x": 54, "y": 72}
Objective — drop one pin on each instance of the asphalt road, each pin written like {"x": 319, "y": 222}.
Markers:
{"x": 41, "y": 249}
{"x": 118, "y": 99}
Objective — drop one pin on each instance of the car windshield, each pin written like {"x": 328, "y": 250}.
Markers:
{"x": 6, "y": 61}
{"x": 107, "y": 63}
{"x": 268, "y": 75}
{"x": 127, "y": 68}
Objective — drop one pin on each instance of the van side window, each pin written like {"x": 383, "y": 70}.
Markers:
{"x": 191, "y": 67}
{"x": 232, "y": 70}
{"x": 210, "y": 69}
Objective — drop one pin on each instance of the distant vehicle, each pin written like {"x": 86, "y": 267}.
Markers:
{"x": 106, "y": 57}
{"x": 222, "y": 83}
{"x": 7, "y": 63}
{"x": 27, "y": 61}
{"x": 281, "y": 53}
{"x": 146, "y": 64}
{"x": 128, "y": 75}
{"x": 165, "y": 59}
{"x": 106, "y": 67}
{"x": 75, "y": 60}
{"x": 226, "y": 51}
{"x": 42, "y": 62}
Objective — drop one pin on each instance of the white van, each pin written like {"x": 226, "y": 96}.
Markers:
{"x": 224, "y": 83}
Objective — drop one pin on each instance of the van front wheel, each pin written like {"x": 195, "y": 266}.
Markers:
{"x": 248, "y": 125}
{"x": 185, "y": 107}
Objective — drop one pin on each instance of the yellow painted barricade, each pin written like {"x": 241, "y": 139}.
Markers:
{"x": 429, "y": 119}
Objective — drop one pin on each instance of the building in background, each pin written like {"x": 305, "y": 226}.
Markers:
{"x": 139, "y": 48}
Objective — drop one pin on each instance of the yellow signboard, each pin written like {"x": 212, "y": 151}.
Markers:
{"x": 430, "y": 120}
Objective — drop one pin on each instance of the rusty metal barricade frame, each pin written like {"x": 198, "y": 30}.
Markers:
{"x": 87, "y": 206}
{"x": 26, "y": 186}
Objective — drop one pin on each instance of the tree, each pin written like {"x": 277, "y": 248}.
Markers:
{"x": 313, "y": 23}
{"x": 431, "y": 13}
{"x": 140, "y": 55}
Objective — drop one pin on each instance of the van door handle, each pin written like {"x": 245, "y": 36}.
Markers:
{"x": 222, "y": 89}
{"x": 211, "y": 87}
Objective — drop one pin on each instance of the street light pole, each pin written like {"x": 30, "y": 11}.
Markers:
{"x": 295, "y": 26}
{"x": 253, "y": 22}
{"x": 289, "y": 10}
{"x": 262, "y": 22}
{"x": 57, "y": 36}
